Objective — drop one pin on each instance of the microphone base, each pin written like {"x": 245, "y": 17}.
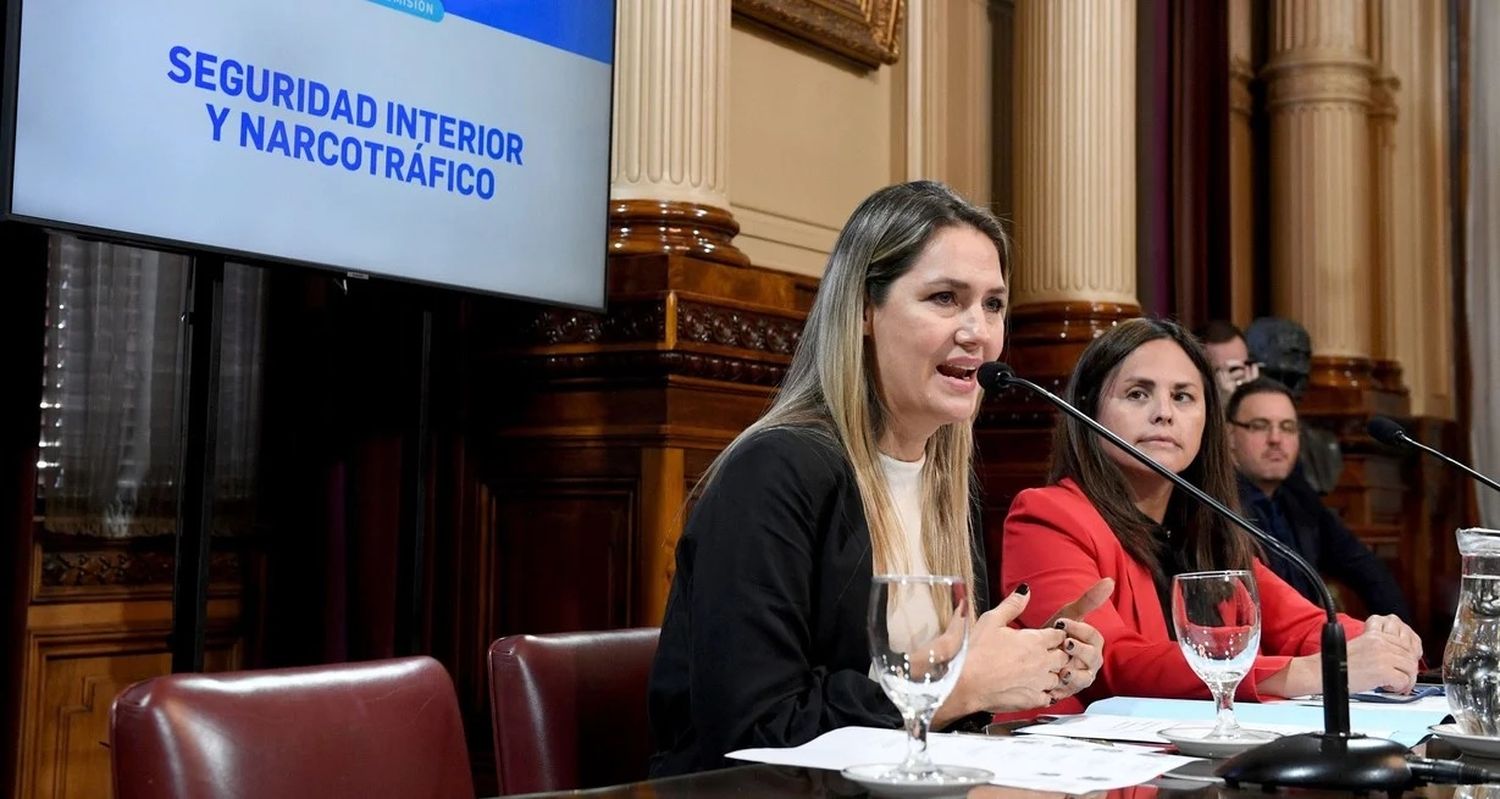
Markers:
{"x": 1348, "y": 762}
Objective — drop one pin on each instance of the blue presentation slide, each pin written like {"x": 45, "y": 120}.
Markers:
{"x": 456, "y": 142}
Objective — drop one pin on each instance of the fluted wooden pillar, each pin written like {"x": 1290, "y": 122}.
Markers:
{"x": 1075, "y": 202}
{"x": 1073, "y": 194}
{"x": 1241, "y": 166}
{"x": 1323, "y": 253}
{"x": 1417, "y": 315}
{"x": 1388, "y": 289}
{"x": 670, "y": 132}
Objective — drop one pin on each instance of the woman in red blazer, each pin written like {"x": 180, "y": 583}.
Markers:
{"x": 1105, "y": 515}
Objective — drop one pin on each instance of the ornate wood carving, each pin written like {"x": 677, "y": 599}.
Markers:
{"x": 867, "y": 31}
{"x": 625, "y": 322}
{"x": 121, "y": 568}
{"x": 706, "y": 323}
{"x": 660, "y": 227}
{"x": 670, "y": 333}
{"x": 703, "y": 321}
{"x": 638, "y": 366}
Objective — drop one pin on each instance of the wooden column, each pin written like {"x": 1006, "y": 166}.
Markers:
{"x": 1241, "y": 166}
{"x": 670, "y": 131}
{"x": 1323, "y": 238}
{"x": 1075, "y": 225}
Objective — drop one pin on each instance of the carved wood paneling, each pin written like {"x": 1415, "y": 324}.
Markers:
{"x": 589, "y": 588}
{"x": 626, "y": 322}
{"x": 73, "y": 573}
{"x": 568, "y": 497}
{"x": 78, "y": 657}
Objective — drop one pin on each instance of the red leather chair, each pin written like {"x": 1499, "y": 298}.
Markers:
{"x": 569, "y": 709}
{"x": 381, "y": 728}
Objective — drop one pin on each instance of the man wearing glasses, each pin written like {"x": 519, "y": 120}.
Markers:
{"x": 1263, "y": 438}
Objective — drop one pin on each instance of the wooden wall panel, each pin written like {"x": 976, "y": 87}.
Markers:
{"x": 588, "y": 431}
{"x": 78, "y": 657}
{"x": 584, "y": 530}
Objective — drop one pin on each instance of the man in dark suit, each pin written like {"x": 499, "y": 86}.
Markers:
{"x": 1264, "y": 440}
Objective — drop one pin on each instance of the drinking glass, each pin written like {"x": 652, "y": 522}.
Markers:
{"x": 919, "y": 635}
{"x": 1217, "y": 619}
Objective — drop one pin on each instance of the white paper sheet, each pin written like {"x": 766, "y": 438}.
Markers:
{"x": 1106, "y": 727}
{"x": 1404, "y": 724}
{"x": 1038, "y": 763}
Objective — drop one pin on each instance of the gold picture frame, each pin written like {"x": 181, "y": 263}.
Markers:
{"x": 866, "y": 31}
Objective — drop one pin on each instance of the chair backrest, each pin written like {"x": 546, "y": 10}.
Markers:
{"x": 569, "y": 709}
{"x": 380, "y": 728}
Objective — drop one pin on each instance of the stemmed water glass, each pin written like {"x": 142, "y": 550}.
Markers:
{"x": 919, "y": 635}
{"x": 1217, "y": 619}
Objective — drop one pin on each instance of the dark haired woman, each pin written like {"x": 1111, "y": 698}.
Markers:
{"x": 1106, "y": 515}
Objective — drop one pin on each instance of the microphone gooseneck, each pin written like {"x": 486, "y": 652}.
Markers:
{"x": 1388, "y": 432}
{"x": 1335, "y": 758}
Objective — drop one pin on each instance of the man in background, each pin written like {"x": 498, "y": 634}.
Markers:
{"x": 1229, "y": 353}
{"x": 1264, "y": 439}
{"x": 1284, "y": 351}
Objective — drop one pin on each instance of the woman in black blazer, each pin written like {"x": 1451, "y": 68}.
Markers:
{"x": 861, "y": 467}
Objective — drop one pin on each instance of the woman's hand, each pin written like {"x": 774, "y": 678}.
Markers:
{"x": 1085, "y": 648}
{"x": 1006, "y": 669}
{"x": 1084, "y": 644}
{"x": 1385, "y": 656}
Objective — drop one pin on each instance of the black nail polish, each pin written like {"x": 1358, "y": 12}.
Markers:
{"x": 1023, "y": 589}
{"x": 1061, "y": 624}
{"x": 1070, "y": 646}
{"x": 1063, "y": 677}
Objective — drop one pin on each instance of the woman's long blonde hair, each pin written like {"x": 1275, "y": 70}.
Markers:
{"x": 830, "y": 386}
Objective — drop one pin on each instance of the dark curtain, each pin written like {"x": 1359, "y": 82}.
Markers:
{"x": 1182, "y": 147}
{"x": 341, "y": 410}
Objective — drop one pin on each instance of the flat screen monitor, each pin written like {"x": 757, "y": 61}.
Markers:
{"x": 454, "y": 142}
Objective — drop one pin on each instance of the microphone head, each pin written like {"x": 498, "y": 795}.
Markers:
{"x": 995, "y": 375}
{"x": 1386, "y": 431}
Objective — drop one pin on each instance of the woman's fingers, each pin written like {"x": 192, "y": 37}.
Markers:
{"x": 1401, "y": 634}
{"x": 1081, "y": 631}
{"x": 1081, "y": 656}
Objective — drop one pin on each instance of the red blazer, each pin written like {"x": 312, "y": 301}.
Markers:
{"x": 1059, "y": 544}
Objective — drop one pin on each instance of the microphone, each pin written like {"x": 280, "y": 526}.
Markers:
{"x": 1333, "y": 759}
{"x": 1386, "y": 431}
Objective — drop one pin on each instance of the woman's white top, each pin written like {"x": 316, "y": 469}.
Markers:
{"x": 913, "y": 621}
{"x": 903, "y": 480}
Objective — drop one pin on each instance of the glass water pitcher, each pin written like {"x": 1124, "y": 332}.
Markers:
{"x": 1471, "y": 661}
